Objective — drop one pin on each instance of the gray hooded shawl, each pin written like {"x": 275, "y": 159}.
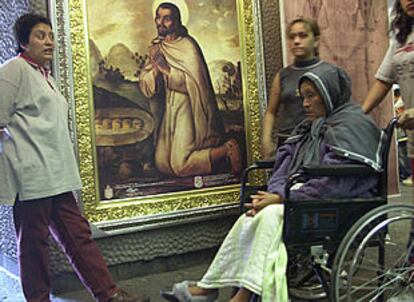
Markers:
{"x": 345, "y": 129}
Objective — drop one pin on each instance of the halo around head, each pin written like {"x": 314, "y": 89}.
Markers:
{"x": 181, "y": 4}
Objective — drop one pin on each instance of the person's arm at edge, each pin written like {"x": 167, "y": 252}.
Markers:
{"x": 268, "y": 146}
{"x": 376, "y": 94}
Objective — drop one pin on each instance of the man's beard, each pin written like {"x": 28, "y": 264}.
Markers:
{"x": 163, "y": 31}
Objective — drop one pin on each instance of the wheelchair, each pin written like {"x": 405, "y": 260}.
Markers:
{"x": 358, "y": 249}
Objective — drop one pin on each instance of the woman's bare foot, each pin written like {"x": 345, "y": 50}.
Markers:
{"x": 242, "y": 295}
{"x": 199, "y": 291}
{"x": 234, "y": 154}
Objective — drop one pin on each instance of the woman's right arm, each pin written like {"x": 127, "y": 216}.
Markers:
{"x": 375, "y": 95}
{"x": 10, "y": 82}
{"x": 385, "y": 77}
{"x": 7, "y": 100}
{"x": 268, "y": 146}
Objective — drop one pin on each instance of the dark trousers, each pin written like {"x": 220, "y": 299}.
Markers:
{"x": 60, "y": 216}
{"x": 404, "y": 164}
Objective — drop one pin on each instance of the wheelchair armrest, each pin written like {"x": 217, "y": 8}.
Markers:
{"x": 338, "y": 170}
{"x": 265, "y": 163}
{"x": 329, "y": 170}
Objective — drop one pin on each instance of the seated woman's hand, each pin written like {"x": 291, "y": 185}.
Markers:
{"x": 260, "y": 200}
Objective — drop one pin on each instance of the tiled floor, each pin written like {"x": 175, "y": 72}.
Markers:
{"x": 151, "y": 285}
{"x": 10, "y": 290}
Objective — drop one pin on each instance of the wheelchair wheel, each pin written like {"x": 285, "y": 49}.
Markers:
{"x": 374, "y": 261}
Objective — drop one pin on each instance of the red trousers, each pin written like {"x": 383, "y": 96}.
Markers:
{"x": 60, "y": 216}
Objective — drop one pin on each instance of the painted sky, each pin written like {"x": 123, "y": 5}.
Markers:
{"x": 213, "y": 23}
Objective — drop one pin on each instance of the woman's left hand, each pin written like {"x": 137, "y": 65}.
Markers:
{"x": 260, "y": 200}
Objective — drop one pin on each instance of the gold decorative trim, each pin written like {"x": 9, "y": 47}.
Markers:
{"x": 253, "y": 121}
{"x": 62, "y": 67}
{"x": 99, "y": 211}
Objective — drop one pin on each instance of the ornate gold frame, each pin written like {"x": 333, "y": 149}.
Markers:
{"x": 165, "y": 205}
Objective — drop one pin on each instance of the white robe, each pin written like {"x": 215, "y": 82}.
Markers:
{"x": 253, "y": 256}
{"x": 191, "y": 124}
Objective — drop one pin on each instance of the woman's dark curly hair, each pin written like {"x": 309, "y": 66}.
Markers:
{"x": 24, "y": 25}
{"x": 401, "y": 24}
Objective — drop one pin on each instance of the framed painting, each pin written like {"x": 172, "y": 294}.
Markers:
{"x": 166, "y": 105}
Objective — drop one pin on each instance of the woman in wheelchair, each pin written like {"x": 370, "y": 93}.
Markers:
{"x": 336, "y": 131}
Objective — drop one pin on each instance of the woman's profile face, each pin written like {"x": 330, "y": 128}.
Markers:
{"x": 40, "y": 46}
{"x": 312, "y": 100}
{"x": 301, "y": 41}
{"x": 408, "y": 7}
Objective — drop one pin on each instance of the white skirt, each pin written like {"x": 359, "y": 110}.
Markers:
{"x": 253, "y": 256}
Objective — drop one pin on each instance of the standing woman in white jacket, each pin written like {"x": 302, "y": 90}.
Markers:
{"x": 39, "y": 171}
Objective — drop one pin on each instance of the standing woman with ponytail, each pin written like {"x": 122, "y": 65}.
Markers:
{"x": 397, "y": 68}
{"x": 285, "y": 108}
